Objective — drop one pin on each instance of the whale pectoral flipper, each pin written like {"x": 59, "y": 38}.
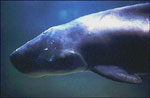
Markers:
{"x": 116, "y": 73}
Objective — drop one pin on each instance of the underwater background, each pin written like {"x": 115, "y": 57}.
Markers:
{"x": 22, "y": 21}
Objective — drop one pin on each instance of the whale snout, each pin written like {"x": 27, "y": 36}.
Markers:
{"x": 29, "y": 64}
{"x": 21, "y": 62}
{"x": 17, "y": 60}
{"x": 26, "y": 58}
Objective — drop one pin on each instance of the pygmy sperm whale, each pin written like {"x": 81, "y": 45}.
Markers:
{"x": 112, "y": 43}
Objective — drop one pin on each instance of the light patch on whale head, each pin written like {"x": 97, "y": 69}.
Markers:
{"x": 146, "y": 27}
{"x": 91, "y": 22}
{"x": 46, "y": 49}
{"x": 17, "y": 49}
{"x": 113, "y": 22}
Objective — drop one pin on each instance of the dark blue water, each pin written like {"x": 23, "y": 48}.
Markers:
{"x": 22, "y": 21}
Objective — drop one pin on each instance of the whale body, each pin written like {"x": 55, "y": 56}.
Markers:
{"x": 112, "y": 43}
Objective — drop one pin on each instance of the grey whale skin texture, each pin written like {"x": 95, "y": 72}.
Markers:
{"x": 112, "y": 43}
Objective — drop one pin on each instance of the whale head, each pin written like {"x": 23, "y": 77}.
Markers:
{"x": 44, "y": 56}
